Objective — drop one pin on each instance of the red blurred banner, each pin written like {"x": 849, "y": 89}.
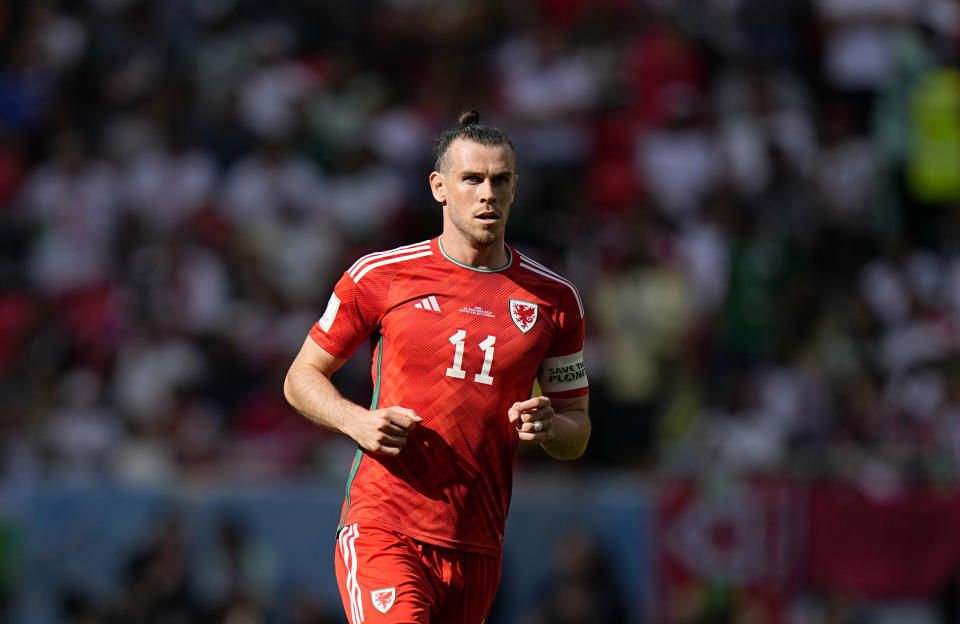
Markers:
{"x": 749, "y": 547}
{"x": 902, "y": 545}
{"x": 728, "y": 547}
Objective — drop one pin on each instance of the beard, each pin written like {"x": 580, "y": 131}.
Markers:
{"x": 477, "y": 234}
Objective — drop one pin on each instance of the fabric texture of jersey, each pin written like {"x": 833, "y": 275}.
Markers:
{"x": 387, "y": 578}
{"x": 459, "y": 346}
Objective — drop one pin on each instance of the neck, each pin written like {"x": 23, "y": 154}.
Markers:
{"x": 492, "y": 256}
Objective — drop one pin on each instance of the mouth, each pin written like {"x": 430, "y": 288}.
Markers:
{"x": 487, "y": 217}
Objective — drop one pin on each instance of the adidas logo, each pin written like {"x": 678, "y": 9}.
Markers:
{"x": 428, "y": 303}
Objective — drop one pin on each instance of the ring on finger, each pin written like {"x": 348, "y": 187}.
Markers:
{"x": 537, "y": 426}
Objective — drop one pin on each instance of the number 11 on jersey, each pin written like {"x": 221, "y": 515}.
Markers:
{"x": 458, "y": 340}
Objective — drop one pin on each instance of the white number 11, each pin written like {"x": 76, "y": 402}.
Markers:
{"x": 457, "y": 340}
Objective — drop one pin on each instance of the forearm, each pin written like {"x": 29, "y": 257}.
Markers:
{"x": 570, "y": 432}
{"x": 308, "y": 389}
{"x": 310, "y": 392}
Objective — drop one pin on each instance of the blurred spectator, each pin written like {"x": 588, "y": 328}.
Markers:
{"x": 678, "y": 162}
{"x": 583, "y": 589}
{"x": 73, "y": 200}
{"x": 857, "y": 49}
{"x": 236, "y": 576}
{"x": 272, "y": 184}
{"x": 165, "y": 185}
{"x": 84, "y": 431}
{"x": 156, "y": 579}
{"x": 269, "y": 98}
{"x": 77, "y": 608}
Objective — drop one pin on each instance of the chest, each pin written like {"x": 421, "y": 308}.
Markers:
{"x": 481, "y": 329}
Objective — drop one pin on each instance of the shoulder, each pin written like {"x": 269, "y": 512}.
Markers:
{"x": 384, "y": 264}
{"x": 547, "y": 279}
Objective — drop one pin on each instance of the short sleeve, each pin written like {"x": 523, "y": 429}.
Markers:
{"x": 351, "y": 315}
{"x": 563, "y": 372}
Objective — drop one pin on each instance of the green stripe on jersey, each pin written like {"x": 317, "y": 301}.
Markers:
{"x": 359, "y": 456}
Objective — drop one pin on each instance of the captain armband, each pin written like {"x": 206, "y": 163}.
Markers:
{"x": 567, "y": 372}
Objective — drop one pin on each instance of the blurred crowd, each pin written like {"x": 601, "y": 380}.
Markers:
{"x": 759, "y": 201}
{"x": 233, "y": 580}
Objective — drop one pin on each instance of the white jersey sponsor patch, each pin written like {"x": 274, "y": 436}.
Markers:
{"x": 329, "y": 314}
{"x": 567, "y": 372}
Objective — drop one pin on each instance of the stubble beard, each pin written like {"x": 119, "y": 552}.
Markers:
{"x": 476, "y": 234}
{"x": 483, "y": 238}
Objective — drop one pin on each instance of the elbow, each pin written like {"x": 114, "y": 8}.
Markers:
{"x": 584, "y": 439}
{"x": 578, "y": 451}
{"x": 567, "y": 453}
{"x": 288, "y": 393}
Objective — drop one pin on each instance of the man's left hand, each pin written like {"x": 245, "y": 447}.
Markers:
{"x": 532, "y": 418}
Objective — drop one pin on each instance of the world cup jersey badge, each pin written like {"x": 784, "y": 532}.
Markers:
{"x": 524, "y": 314}
{"x": 383, "y": 599}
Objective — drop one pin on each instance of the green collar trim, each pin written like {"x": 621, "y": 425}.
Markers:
{"x": 467, "y": 266}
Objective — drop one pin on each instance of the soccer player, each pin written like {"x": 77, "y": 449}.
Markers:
{"x": 461, "y": 326}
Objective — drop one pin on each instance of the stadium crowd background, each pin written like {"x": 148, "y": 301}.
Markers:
{"x": 759, "y": 202}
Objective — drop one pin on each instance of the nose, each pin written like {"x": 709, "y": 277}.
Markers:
{"x": 486, "y": 191}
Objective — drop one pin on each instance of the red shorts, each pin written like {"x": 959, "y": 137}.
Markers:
{"x": 386, "y": 577}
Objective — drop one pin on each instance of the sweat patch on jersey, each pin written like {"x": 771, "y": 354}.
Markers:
{"x": 567, "y": 372}
{"x": 329, "y": 314}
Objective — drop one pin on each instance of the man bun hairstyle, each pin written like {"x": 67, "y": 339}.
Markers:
{"x": 469, "y": 129}
{"x": 469, "y": 118}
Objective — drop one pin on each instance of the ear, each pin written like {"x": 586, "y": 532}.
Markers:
{"x": 438, "y": 187}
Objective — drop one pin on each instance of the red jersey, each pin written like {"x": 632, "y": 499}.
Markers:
{"x": 459, "y": 346}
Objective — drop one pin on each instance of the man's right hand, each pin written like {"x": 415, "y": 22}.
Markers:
{"x": 385, "y": 430}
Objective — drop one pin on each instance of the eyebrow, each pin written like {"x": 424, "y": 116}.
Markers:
{"x": 499, "y": 174}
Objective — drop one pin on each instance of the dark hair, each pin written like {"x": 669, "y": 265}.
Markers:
{"x": 471, "y": 130}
